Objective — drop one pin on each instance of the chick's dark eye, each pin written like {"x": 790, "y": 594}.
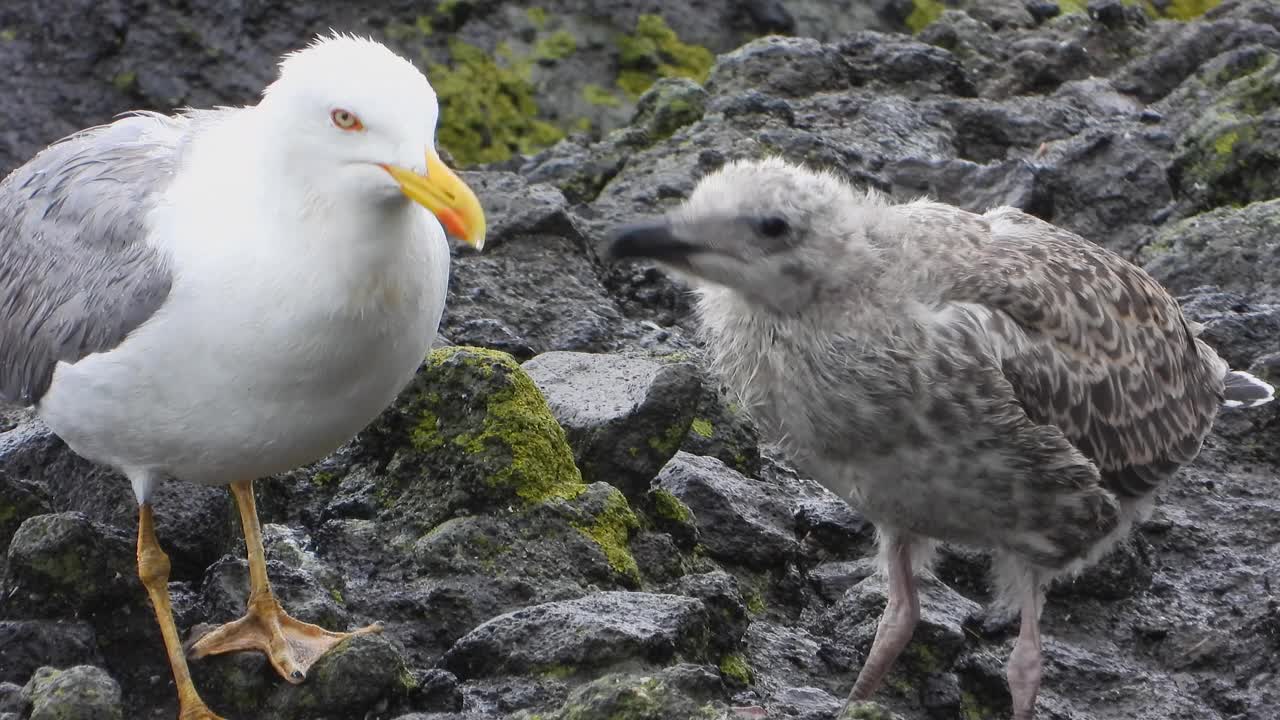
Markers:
{"x": 773, "y": 226}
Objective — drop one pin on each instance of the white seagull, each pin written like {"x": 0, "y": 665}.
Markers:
{"x": 227, "y": 294}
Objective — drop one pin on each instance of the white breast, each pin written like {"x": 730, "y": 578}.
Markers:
{"x": 270, "y": 351}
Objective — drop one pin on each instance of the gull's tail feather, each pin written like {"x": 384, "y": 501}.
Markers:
{"x": 1244, "y": 390}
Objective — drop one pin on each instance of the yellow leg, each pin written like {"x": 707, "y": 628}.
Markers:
{"x": 292, "y": 645}
{"x": 153, "y": 569}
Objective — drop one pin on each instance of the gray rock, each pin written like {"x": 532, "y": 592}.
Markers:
{"x": 82, "y": 692}
{"x": 625, "y": 417}
{"x": 361, "y": 674}
{"x": 638, "y": 697}
{"x": 722, "y": 429}
{"x": 26, "y": 645}
{"x": 66, "y": 563}
{"x": 720, "y": 593}
{"x": 806, "y": 703}
{"x": 1236, "y": 249}
{"x": 737, "y": 519}
{"x": 667, "y": 106}
{"x": 19, "y": 500}
{"x": 587, "y": 634}
{"x": 938, "y": 640}
{"x": 194, "y": 523}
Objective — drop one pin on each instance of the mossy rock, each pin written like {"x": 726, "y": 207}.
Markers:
{"x": 19, "y": 500}
{"x": 634, "y": 697}
{"x": 668, "y": 105}
{"x": 351, "y": 680}
{"x": 471, "y": 433}
{"x": 1230, "y": 155}
{"x": 66, "y": 563}
{"x": 83, "y": 692}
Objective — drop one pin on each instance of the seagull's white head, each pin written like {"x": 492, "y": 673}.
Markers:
{"x": 358, "y": 121}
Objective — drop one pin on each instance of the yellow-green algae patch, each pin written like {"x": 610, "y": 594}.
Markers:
{"x": 611, "y": 530}
{"x": 923, "y": 13}
{"x": 654, "y": 50}
{"x": 488, "y": 111}
{"x": 668, "y": 506}
{"x": 734, "y": 667}
{"x": 702, "y": 427}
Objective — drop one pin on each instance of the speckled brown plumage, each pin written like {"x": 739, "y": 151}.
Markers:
{"x": 983, "y": 379}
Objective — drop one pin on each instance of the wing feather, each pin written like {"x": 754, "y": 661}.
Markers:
{"x": 1102, "y": 352}
{"x": 76, "y": 272}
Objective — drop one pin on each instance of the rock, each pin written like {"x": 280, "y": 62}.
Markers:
{"x": 1238, "y": 329}
{"x": 833, "y": 579}
{"x": 722, "y": 429}
{"x": 476, "y": 413}
{"x": 82, "y": 692}
{"x": 939, "y": 637}
{"x": 1236, "y": 249}
{"x": 720, "y": 593}
{"x": 587, "y": 634}
{"x": 26, "y": 645}
{"x": 360, "y": 674}
{"x": 516, "y": 208}
{"x": 225, "y": 591}
{"x": 668, "y": 105}
{"x": 625, "y": 417}
{"x": 736, "y": 519}
{"x": 830, "y": 524}
{"x": 658, "y": 557}
{"x": 194, "y": 523}
{"x": 636, "y": 697}
{"x": 1227, "y": 154}
{"x": 65, "y": 563}
{"x": 909, "y": 66}
{"x": 19, "y": 500}
{"x": 806, "y": 703}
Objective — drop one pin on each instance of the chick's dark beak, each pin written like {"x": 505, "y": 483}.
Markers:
{"x": 651, "y": 239}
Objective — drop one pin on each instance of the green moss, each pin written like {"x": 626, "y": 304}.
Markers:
{"x": 8, "y": 34}
{"x": 1180, "y": 9}
{"x": 556, "y": 46}
{"x": 734, "y": 667}
{"x": 336, "y": 594}
{"x": 923, "y": 657}
{"x": 611, "y": 530}
{"x": 971, "y": 709}
{"x": 557, "y": 672}
{"x": 923, "y": 13}
{"x": 7, "y": 513}
{"x": 670, "y": 441}
{"x": 655, "y": 51}
{"x": 401, "y": 31}
{"x": 537, "y": 16}
{"x": 488, "y": 110}
{"x": 755, "y": 602}
{"x": 1067, "y": 7}
{"x": 671, "y": 507}
{"x": 1225, "y": 142}
{"x": 517, "y": 418}
{"x": 702, "y": 427}
{"x": 597, "y": 95}
{"x": 124, "y": 81}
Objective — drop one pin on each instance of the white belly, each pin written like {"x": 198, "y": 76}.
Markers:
{"x": 225, "y": 385}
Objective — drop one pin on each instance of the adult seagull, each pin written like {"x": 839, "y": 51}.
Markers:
{"x": 226, "y": 294}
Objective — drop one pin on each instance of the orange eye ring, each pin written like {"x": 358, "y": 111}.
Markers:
{"x": 345, "y": 120}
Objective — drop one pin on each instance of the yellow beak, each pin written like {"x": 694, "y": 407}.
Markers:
{"x": 446, "y": 196}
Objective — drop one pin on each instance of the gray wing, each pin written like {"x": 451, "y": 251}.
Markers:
{"x": 76, "y": 275}
{"x": 1103, "y": 352}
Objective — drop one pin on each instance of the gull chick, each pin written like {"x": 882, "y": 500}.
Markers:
{"x": 989, "y": 380}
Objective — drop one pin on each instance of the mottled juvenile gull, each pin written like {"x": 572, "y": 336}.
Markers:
{"x": 989, "y": 379}
{"x": 231, "y": 293}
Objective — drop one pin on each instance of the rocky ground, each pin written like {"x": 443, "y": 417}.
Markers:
{"x": 566, "y": 519}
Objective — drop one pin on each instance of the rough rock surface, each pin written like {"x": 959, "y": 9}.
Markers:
{"x": 515, "y": 582}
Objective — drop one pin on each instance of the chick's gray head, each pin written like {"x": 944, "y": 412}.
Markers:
{"x": 778, "y": 234}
